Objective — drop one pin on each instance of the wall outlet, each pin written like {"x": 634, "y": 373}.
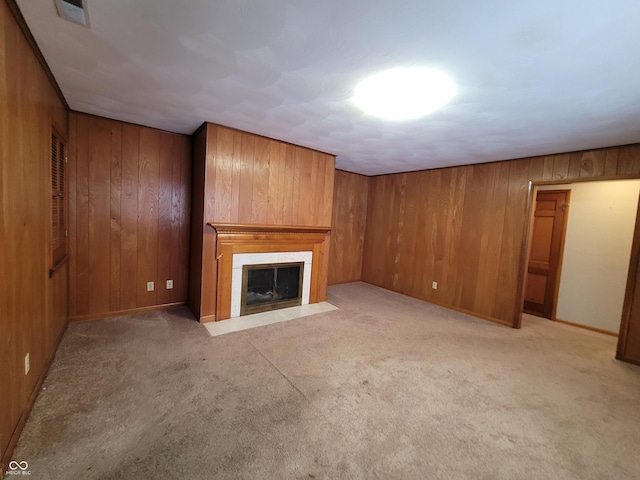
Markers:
{"x": 434, "y": 285}
{"x": 150, "y": 286}
{"x": 169, "y": 284}
{"x": 27, "y": 364}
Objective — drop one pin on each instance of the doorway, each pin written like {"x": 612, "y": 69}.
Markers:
{"x": 545, "y": 252}
{"x": 595, "y": 259}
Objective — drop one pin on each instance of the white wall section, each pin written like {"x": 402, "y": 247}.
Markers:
{"x": 597, "y": 251}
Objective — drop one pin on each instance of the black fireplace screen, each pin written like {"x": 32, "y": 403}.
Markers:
{"x": 269, "y": 287}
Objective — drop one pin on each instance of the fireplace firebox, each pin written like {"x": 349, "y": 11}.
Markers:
{"x": 270, "y": 287}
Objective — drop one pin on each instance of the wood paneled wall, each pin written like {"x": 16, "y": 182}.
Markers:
{"x": 33, "y": 307}
{"x": 348, "y": 222}
{"x": 244, "y": 178}
{"x": 129, "y": 190}
{"x": 465, "y": 227}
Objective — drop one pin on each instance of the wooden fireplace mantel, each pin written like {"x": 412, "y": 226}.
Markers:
{"x": 226, "y": 228}
{"x": 231, "y": 238}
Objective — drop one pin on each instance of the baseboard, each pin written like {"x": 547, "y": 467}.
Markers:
{"x": 15, "y": 436}
{"x": 208, "y": 318}
{"x": 587, "y": 327}
{"x": 474, "y": 314}
{"x": 451, "y": 307}
{"x": 633, "y": 361}
{"x": 116, "y": 313}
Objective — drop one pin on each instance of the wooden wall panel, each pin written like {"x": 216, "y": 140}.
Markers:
{"x": 33, "y": 306}
{"x": 130, "y": 216}
{"x": 348, "y": 224}
{"x": 464, "y": 227}
{"x": 252, "y": 180}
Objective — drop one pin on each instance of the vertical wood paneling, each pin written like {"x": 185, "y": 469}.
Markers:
{"x": 165, "y": 217}
{"x": 629, "y": 160}
{"x": 464, "y": 227}
{"x": 246, "y": 185}
{"x": 115, "y": 248}
{"x": 148, "y": 168}
{"x": 262, "y": 186}
{"x": 275, "y": 193}
{"x": 131, "y": 216}
{"x": 329, "y": 178}
{"x": 236, "y": 171}
{"x": 33, "y": 307}
{"x": 288, "y": 172}
{"x": 250, "y": 179}
{"x": 593, "y": 163}
{"x": 81, "y": 253}
{"x": 561, "y": 166}
{"x": 73, "y": 203}
{"x": 348, "y": 226}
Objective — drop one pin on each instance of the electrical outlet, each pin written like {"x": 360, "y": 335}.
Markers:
{"x": 434, "y": 285}
{"x": 169, "y": 284}
{"x": 150, "y": 286}
{"x": 27, "y": 364}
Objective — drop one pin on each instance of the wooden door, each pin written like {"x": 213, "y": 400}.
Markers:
{"x": 545, "y": 252}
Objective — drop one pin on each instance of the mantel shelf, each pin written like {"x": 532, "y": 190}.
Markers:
{"x": 245, "y": 228}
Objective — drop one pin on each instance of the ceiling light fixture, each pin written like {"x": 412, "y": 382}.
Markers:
{"x": 404, "y": 93}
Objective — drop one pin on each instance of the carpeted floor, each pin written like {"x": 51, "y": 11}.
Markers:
{"x": 386, "y": 387}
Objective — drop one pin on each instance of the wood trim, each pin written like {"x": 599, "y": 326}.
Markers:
{"x": 231, "y": 228}
{"x": 486, "y": 318}
{"x": 15, "y": 436}
{"x": 563, "y": 233}
{"x": 234, "y": 238}
{"x": 586, "y": 327}
{"x": 124, "y": 122}
{"x": 212, "y": 124}
{"x": 634, "y": 264}
{"x": 524, "y": 254}
{"x": 208, "y": 318}
{"x": 97, "y": 316}
{"x": 59, "y": 263}
{"x": 451, "y": 307}
{"x": 22, "y": 23}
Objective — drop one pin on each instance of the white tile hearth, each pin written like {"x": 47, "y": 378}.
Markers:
{"x": 266, "y": 318}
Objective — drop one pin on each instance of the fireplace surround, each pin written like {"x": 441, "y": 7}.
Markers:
{"x": 238, "y": 245}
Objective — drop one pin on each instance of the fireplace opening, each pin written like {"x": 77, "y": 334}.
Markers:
{"x": 270, "y": 287}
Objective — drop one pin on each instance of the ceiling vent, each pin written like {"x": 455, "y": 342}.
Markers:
{"x": 73, "y": 10}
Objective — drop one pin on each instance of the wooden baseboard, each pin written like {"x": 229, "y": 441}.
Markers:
{"x": 15, "y": 436}
{"x": 474, "y": 314}
{"x": 451, "y": 307}
{"x": 117, "y": 313}
{"x": 633, "y": 361}
{"x": 208, "y": 318}
{"x": 344, "y": 282}
{"x": 587, "y": 327}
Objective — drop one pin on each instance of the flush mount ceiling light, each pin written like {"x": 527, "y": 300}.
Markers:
{"x": 404, "y": 93}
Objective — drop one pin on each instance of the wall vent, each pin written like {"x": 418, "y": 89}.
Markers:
{"x": 73, "y": 10}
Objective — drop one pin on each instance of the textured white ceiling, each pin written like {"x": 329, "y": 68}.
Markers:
{"x": 533, "y": 77}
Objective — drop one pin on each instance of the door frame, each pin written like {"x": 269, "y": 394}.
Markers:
{"x": 633, "y": 261}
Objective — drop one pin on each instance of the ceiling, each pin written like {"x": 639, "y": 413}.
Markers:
{"x": 532, "y": 78}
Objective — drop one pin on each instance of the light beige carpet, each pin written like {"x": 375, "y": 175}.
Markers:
{"x": 385, "y": 387}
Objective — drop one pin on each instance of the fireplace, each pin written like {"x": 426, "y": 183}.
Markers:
{"x": 262, "y": 263}
{"x": 270, "y": 287}
{"x": 237, "y": 246}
